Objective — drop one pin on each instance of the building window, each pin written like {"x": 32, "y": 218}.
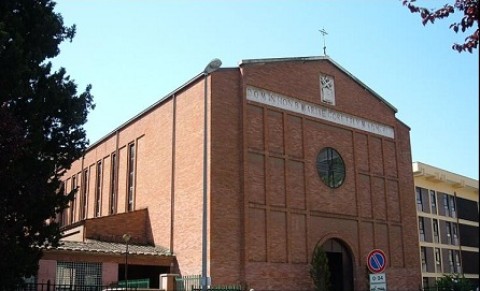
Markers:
{"x": 446, "y": 205}
{"x": 451, "y": 202}
{"x": 79, "y": 275}
{"x": 419, "y": 199}
{"x": 61, "y": 216}
{"x": 113, "y": 185}
{"x": 84, "y": 201}
{"x": 131, "y": 177}
{"x": 433, "y": 201}
{"x": 330, "y": 167}
{"x": 436, "y": 235}
{"x": 438, "y": 260}
{"x": 458, "y": 266}
{"x": 425, "y": 283}
{"x": 72, "y": 203}
{"x": 421, "y": 228}
{"x": 451, "y": 262}
{"x": 423, "y": 256}
{"x": 449, "y": 205}
{"x": 98, "y": 190}
{"x": 454, "y": 234}
{"x": 448, "y": 226}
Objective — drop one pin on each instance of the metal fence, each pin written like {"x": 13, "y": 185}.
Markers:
{"x": 63, "y": 287}
{"x": 194, "y": 283}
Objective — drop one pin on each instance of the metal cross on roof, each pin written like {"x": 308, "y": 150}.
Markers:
{"x": 323, "y": 32}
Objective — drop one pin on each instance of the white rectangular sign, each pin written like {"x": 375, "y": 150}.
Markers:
{"x": 313, "y": 110}
{"x": 378, "y": 278}
{"x": 378, "y": 287}
{"x": 378, "y": 282}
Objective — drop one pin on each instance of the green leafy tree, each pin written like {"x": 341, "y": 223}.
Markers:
{"x": 319, "y": 270}
{"x": 41, "y": 133}
{"x": 469, "y": 19}
{"x": 454, "y": 283}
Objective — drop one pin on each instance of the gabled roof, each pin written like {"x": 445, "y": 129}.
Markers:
{"x": 241, "y": 63}
{"x": 324, "y": 58}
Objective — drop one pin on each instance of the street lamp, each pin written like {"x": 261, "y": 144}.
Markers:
{"x": 210, "y": 68}
{"x": 126, "y": 238}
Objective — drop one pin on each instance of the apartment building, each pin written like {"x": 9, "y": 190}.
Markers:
{"x": 448, "y": 226}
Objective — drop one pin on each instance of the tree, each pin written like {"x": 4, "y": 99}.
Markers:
{"x": 470, "y": 10}
{"x": 453, "y": 283}
{"x": 319, "y": 270}
{"x": 41, "y": 133}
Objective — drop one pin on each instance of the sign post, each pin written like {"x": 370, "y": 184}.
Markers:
{"x": 376, "y": 263}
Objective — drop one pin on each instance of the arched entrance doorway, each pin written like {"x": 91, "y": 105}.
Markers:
{"x": 340, "y": 264}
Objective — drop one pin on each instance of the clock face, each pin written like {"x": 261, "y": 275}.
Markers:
{"x": 327, "y": 89}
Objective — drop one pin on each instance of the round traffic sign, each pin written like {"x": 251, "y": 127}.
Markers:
{"x": 376, "y": 261}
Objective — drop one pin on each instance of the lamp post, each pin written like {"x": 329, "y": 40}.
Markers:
{"x": 126, "y": 238}
{"x": 211, "y": 67}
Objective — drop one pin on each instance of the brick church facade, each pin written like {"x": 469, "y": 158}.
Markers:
{"x": 300, "y": 154}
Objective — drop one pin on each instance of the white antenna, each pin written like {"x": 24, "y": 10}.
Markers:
{"x": 323, "y": 32}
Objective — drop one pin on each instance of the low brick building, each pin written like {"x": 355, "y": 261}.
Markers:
{"x": 300, "y": 154}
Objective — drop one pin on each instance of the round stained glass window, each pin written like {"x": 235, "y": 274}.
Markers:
{"x": 330, "y": 167}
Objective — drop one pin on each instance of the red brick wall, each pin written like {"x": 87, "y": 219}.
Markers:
{"x": 112, "y": 228}
{"x": 268, "y": 208}
{"x": 226, "y": 204}
{"x": 157, "y": 174}
{"x": 289, "y": 209}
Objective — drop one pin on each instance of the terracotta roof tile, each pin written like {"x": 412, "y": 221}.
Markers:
{"x": 112, "y": 247}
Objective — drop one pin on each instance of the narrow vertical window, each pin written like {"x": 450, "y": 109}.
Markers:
{"x": 72, "y": 203}
{"x": 426, "y": 286}
{"x": 433, "y": 201}
{"x": 131, "y": 177}
{"x": 449, "y": 233}
{"x": 61, "y": 215}
{"x": 451, "y": 261}
{"x": 451, "y": 204}
{"x": 445, "y": 205}
{"x": 84, "y": 194}
{"x": 423, "y": 256}
{"x": 454, "y": 234}
{"x": 113, "y": 185}
{"x": 421, "y": 228}
{"x": 458, "y": 266}
{"x": 438, "y": 260}
{"x": 419, "y": 199}
{"x": 436, "y": 235}
{"x": 98, "y": 189}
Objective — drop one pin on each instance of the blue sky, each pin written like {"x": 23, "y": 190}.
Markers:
{"x": 135, "y": 52}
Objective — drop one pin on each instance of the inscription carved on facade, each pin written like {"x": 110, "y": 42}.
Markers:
{"x": 298, "y": 106}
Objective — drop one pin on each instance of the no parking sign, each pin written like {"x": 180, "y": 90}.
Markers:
{"x": 376, "y": 261}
